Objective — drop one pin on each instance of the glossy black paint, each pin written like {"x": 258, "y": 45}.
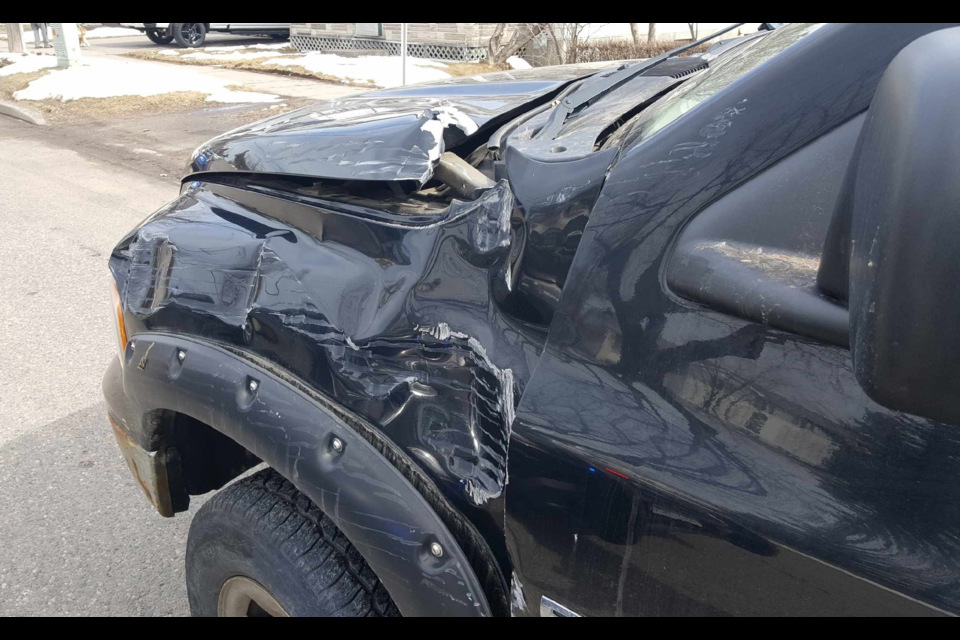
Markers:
{"x": 396, "y": 323}
{"x": 669, "y": 459}
{"x": 621, "y": 450}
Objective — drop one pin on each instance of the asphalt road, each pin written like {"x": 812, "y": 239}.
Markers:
{"x": 76, "y": 535}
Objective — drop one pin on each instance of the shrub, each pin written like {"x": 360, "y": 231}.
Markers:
{"x": 625, "y": 49}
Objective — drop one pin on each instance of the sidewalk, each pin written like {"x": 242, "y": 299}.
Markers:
{"x": 107, "y": 86}
{"x": 157, "y": 135}
{"x": 283, "y": 86}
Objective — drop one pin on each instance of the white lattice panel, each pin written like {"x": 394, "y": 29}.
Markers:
{"x": 433, "y": 51}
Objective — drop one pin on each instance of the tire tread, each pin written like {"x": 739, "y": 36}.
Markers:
{"x": 332, "y": 566}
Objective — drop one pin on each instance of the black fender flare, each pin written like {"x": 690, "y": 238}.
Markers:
{"x": 292, "y": 428}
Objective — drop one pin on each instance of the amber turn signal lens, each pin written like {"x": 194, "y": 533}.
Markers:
{"x": 118, "y": 321}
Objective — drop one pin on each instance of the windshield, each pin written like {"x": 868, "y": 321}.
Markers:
{"x": 722, "y": 72}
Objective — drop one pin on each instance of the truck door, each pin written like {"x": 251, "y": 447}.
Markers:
{"x": 694, "y": 440}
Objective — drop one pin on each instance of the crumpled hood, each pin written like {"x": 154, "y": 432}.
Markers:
{"x": 390, "y": 135}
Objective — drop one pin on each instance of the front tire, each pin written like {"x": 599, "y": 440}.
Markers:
{"x": 260, "y": 548}
{"x": 159, "y": 36}
{"x": 189, "y": 34}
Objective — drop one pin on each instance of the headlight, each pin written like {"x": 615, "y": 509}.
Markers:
{"x": 118, "y": 323}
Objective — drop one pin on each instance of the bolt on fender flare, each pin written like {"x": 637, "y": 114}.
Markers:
{"x": 286, "y": 425}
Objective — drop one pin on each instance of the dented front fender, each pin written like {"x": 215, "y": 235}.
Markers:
{"x": 399, "y": 323}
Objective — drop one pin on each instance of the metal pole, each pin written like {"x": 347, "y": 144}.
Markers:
{"x": 403, "y": 50}
{"x": 15, "y": 38}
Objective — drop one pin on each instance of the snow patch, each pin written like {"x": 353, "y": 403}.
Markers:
{"x": 110, "y": 78}
{"x": 516, "y": 62}
{"x": 26, "y": 63}
{"x": 380, "y": 71}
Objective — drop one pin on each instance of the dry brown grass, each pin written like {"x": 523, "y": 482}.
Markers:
{"x": 101, "y": 109}
{"x": 297, "y": 71}
{"x": 11, "y": 84}
{"x": 293, "y": 71}
{"x": 605, "y": 50}
{"x": 97, "y": 109}
{"x": 473, "y": 68}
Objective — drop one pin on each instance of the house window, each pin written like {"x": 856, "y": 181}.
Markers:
{"x": 374, "y": 29}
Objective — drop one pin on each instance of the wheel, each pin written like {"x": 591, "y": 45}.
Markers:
{"x": 159, "y": 36}
{"x": 260, "y": 548}
{"x": 189, "y": 34}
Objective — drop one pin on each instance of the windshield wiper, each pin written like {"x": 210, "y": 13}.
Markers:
{"x": 580, "y": 100}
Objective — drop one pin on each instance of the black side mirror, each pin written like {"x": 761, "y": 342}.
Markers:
{"x": 903, "y": 190}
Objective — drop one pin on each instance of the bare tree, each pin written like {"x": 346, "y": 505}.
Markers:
{"x": 556, "y": 42}
{"x": 652, "y": 32}
{"x": 635, "y": 33}
{"x": 573, "y": 46}
{"x": 494, "y": 44}
{"x": 498, "y": 51}
{"x": 566, "y": 38}
{"x": 694, "y": 28}
{"x": 15, "y": 38}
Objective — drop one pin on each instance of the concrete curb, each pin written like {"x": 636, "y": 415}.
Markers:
{"x": 21, "y": 113}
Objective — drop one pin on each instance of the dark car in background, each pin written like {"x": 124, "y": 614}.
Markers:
{"x": 673, "y": 337}
{"x": 194, "y": 34}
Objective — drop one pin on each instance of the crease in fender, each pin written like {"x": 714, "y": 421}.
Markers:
{"x": 254, "y": 272}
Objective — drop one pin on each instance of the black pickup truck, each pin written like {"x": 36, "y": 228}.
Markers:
{"x": 675, "y": 337}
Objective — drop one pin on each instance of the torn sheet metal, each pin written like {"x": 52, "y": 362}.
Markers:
{"x": 484, "y": 469}
{"x": 393, "y": 135}
{"x": 396, "y": 323}
{"x": 369, "y": 145}
{"x": 518, "y": 602}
